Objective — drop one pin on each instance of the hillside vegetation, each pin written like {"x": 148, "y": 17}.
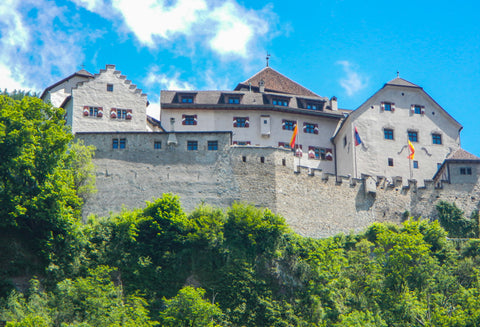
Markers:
{"x": 237, "y": 267}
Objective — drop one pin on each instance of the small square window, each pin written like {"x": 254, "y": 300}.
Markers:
{"x": 466, "y": 171}
{"x": 280, "y": 102}
{"x": 212, "y": 145}
{"x": 387, "y": 106}
{"x": 115, "y": 144}
{"x": 189, "y": 120}
{"x": 234, "y": 100}
{"x": 390, "y": 162}
{"x": 415, "y": 164}
{"x": 123, "y": 143}
{"x": 157, "y": 145}
{"x": 309, "y": 128}
{"x": 388, "y": 134}
{"x": 417, "y": 110}
{"x": 192, "y": 145}
{"x": 109, "y": 87}
{"x": 413, "y": 136}
{"x": 288, "y": 125}
{"x": 436, "y": 138}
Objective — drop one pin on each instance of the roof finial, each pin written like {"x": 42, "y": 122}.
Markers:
{"x": 268, "y": 58}
{"x": 398, "y": 74}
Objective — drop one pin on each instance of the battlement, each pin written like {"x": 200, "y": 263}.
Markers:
{"x": 314, "y": 202}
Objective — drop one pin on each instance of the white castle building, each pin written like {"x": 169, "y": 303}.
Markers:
{"x": 263, "y": 112}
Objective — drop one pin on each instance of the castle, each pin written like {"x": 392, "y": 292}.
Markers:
{"x": 399, "y": 151}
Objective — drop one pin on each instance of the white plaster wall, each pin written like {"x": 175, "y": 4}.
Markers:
{"x": 222, "y": 120}
{"x": 372, "y": 156}
{"x": 94, "y": 93}
{"x": 59, "y": 93}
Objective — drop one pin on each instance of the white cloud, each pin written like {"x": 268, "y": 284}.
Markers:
{"x": 11, "y": 80}
{"x": 153, "y": 110}
{"x": 226, "y": 27}
{"x": 353, "y": 82}
{"x": 151, "y": 18}
{"x": 165, "y": 81}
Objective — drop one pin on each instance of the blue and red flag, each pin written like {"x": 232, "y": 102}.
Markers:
{"x": 358, "y": 140}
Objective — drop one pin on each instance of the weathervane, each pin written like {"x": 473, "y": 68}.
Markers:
{"x": 398, "y": 74}
{"x": 268, "y": 58}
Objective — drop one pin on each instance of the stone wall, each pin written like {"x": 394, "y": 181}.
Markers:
{"x": 314, "y": 203}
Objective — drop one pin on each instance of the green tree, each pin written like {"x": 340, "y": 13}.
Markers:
{"x": 190, "y": 309}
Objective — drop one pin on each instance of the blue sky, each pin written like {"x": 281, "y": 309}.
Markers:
{"x": 344, "y": 48}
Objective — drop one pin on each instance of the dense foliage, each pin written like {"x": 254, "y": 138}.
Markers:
{"x": 240, "y": 267}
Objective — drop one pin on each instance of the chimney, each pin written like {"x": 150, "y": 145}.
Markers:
{"x": 333, "y": 103}
{"x": 261, "y": 86}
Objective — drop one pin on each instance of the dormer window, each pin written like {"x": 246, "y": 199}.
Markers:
{"x": 187, "y": 98}
{"x": 233, "y": 100}
{"x": 280, "y": 102}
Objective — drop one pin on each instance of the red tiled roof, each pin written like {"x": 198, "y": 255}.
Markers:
{"x": 275, "y": 82}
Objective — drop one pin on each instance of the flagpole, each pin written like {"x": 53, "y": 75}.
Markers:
{"x": 354, "y": 154}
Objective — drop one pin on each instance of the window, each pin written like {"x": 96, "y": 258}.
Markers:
{"x": 119, "y": 143}
{"x": 413, "y": 136}
{"x": 157, "y": 145}
{"x": 284, "y": 145}
{"x": 189, "y": 119}
{"x": 116, "y": 113}
{"x": 390, "y": 162}
{"x": 317, "y": 153}
{"x": 280, "y": 102}
{"x": 310, "y": 128}
{"x": 436, "y": 138}
{"x": 388, "y": 106}
{"x": 242, "y": 143}
{"x": 417, "y": 109}
{"x": 313, "y": 106}
{"x": 109, "y": 87}
{"x": 288, "y": 125}
{"x": 345, "y": 141}
{"x": 415, "y": 164}
{"x": 192, "y": 145}
{"x": 262, "y": 159}
{"x": 234, "y": 100}
{"x": 241, "y": 122}
{"x": 93, "y": 111}
{"x": 187, "y": 99}
{"x": 388, "y": 134}
{"x": 212, "y": 145}
{"x": 465, "y": 171}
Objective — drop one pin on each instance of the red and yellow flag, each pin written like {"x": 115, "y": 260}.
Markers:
{"x": 412, "y": 150}
{"x": 294, "y": 136}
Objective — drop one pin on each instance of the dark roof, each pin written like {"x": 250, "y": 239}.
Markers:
{"x": 402, "y": 82}
{"x": 80, "y": 73}
{"x": 275, "y": 82}
{"x": 462, "y": 155}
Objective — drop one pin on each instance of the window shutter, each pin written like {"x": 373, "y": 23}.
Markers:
{"x": 235, "y": 122}
{"x": 129, "y": 114}
{"x": 247, "y": 122}
{"x": 283, "y": 124}
{"x": 315, "y": 131}
{"x": 86, "y": 110}
{"x": 382, "y": 106}
{"x": 194, "y": 119}
{"x": 328, "y": 155}
{"x": 113, "y": 113}
{"x": 100, "y": 112}
{"x": 281, "y": 144}
{"x": 304, "y": 127}
{"x": 183, "y": 119}
{"x": 311, "y": 152}
{"x": 248, "y": 143}
{"x": 392, "y": 106}
{"x": 412, "y": 109}
{"x": 423, "y": 110}
{"x": 234, "y": 142}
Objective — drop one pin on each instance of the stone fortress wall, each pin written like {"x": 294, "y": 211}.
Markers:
{"x": 314, "y": 203}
